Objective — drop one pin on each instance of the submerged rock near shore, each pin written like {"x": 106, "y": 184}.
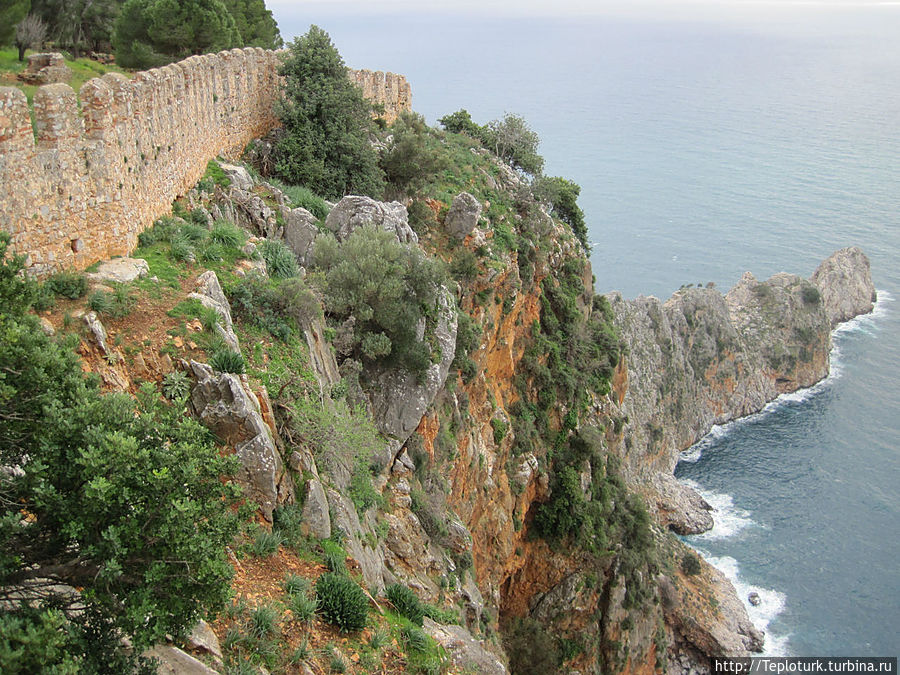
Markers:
{"x": 702, "y": 358}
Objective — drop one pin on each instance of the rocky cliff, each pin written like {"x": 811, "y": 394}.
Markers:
{"x": 505, "y": 483}
{"x": 703, "y": 358}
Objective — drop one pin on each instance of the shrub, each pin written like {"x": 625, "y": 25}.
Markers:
{"x": 341, "y": 602}
{"x": 280, "y": 260}
{"x": 227, "y": 361}
{"x": 287, "y": 520}
{"x": 176, "y": 385}
{"x": 327, "y": 123}
{"x": 409, "y": 162}
{"x": 406, "y": 602}
{"x": 531, "y": 649}
{"x": 500, "y": 428}
{"x": 690, "y": 564}
{"x": 811, "y": 295}
{"x": 406, "y": 293}
{"x": 71, "y": 284}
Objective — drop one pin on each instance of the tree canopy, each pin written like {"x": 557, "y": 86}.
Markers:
{"x": 11, "y": 13}
{"x": 386, "y": 288}
{"x": 121, "y": 499}
{"x": 255, "y": 23}
{"x": 327, "y": 123}
{"x": 149, "y": 33}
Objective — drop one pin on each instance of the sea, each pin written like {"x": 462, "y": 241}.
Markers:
{"x": 706, "y": 145}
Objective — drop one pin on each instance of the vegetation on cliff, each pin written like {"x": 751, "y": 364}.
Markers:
{"x": 121, "y": 500}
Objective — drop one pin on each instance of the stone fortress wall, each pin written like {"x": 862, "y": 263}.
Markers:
{"x": 99, "y": 168}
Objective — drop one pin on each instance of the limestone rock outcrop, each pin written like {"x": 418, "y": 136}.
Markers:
{"x": 845, "y": 282}
{"x": 225, "y": 404}
{"x": 209, "y": 292}
{"x": 398, "y": 398}
{"x": 463, "y": 215}
{"x": 353, "y": 211}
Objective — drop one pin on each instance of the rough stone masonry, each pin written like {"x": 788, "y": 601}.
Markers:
{"x": 79, "y": 186}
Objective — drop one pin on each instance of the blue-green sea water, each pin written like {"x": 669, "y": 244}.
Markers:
{"x": 704, "y": 149}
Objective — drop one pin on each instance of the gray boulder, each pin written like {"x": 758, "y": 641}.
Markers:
{"x": 371, "y": 561}
{"x": 239, "y": 176}
{"x": 353, "y": 211}
{"x": 120, "y": 270}
{"x": 173, "y": 661}
{"x": 209, "y": 292}
{"x": 463, "y": 215}
{"x": 222, "y": 403}
{"x": 300, "y": 233}
{"x": 464, "y": 650}
{"x": 398, "y": 399}
{"x": 844, "y": 281}
{"x": 316, "y": 520}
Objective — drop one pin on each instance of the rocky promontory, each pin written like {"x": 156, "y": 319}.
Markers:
{"x": 702, "y": 358}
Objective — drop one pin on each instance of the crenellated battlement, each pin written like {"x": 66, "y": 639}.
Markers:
{"x": 81, "y": 183}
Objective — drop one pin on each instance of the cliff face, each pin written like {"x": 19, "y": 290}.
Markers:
{"x": 702, "y": 358}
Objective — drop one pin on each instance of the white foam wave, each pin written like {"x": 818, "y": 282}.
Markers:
{"x": 866, "y": 323}
{"x": 728, "y": 519}
{"x": 772, "y": 603}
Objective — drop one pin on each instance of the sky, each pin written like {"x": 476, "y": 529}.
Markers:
{"x": 570, "y": 7}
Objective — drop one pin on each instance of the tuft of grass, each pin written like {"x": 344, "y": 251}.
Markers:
{"x": 294, "y": 584}
{"x": 406, "y": 603}
{"x": 265, "y": 543}
{"x": 227, "y": 235}
{"x": 335, "y": 556}
{"x": 280, "y": 260}
{"x": 263, "y": 621}
{"x": 302, "y": 607}
{"x": 227, "y": 361}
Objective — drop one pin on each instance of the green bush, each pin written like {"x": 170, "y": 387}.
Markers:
{"x": 327, "y": 123}
{"x": 531, "y": 649}
{"x": 342, "y": 602}
{"x": 227, "y": 361}
{"x": 406, "y": 293}
{"x": 192, "y": 231}
{"x": 281, "y": 263}
{"x": 690, "y": 564}
{"x": 406, "y": 602}
{"x": 124, "y": 495}
{"x": 70, "y": 284}
{"x": 811, "y": 295}
{"x": 176, "y": 385}
{"x": 409, "y": 161}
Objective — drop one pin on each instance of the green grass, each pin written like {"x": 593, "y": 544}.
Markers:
{"x": 82, "y": 70}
